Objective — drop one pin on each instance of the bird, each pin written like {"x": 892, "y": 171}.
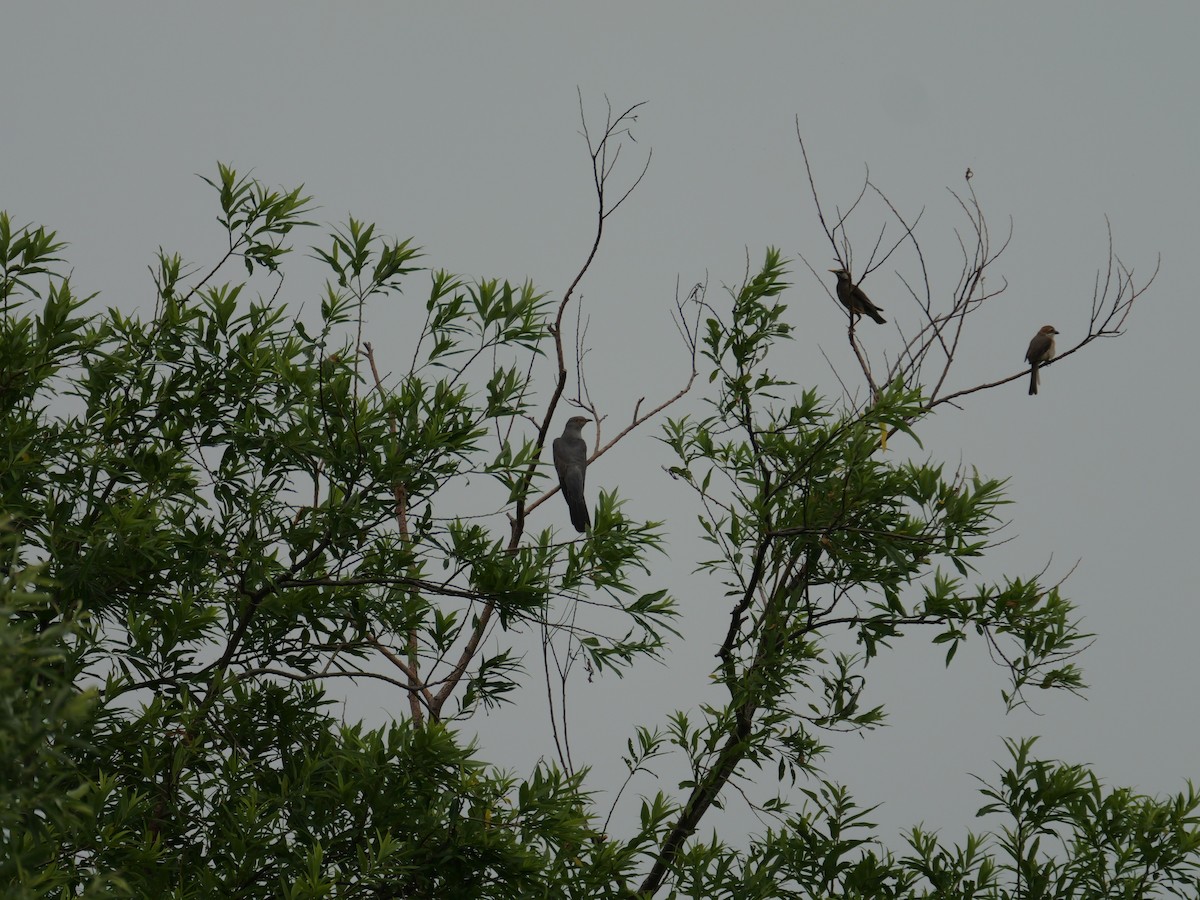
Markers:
{"x": 1041, "y": 350}
{"x": 854, "y": 299}
{"x": 570, "y": 460}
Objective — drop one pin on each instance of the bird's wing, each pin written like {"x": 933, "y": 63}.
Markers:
{"x": 864, "y": 299}
{"x": 1037, "y": 348}
{"x": 570, "y": 459}
{"x": 572, "y": 480}
{"x": 560, "y": 457}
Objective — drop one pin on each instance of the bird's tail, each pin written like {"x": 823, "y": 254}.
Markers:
{"x": 874, "y": 314}
{"x": 1033, "y": 379}
{"x": 579, "y": 514}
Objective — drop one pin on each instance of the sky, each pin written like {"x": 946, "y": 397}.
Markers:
{"x": 458, "y": 125}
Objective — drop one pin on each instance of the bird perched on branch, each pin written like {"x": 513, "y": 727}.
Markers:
{"x": 854, "y": 299}
{"x": 570, "y": 460}
{"x": 1041, "y": 350}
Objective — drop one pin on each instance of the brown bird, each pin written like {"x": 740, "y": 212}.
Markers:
{"x": 1041, "y": 350}
{"x": 854, "y": 299}
{"x": 570, "y": 460}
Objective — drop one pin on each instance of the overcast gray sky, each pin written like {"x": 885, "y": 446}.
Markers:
{"x": 458, "y": 125}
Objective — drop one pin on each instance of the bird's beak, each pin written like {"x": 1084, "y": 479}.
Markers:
{"x": 835, "y": 271}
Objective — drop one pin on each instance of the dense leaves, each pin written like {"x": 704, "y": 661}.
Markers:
{"x": 220, "y": 515}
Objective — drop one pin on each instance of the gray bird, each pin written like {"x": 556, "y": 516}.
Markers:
{"x": 570, "y": 460}
{"x": 1041, "y": 350}
{"x": 854, "y": 299}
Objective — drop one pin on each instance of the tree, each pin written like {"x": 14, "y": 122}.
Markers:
{"x": 221, "y": 515}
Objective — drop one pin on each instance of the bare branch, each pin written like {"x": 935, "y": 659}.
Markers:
{"x": 689, "y": 332}
{"x": 604, "y": 154}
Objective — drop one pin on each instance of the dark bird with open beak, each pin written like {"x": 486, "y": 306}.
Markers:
{"x": 1041, "y": 350}
{"x": 570, "y": 460}
{"x": 854, "y": 299}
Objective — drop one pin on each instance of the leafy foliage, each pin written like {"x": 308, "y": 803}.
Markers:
{"x": 219, "y": 516}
